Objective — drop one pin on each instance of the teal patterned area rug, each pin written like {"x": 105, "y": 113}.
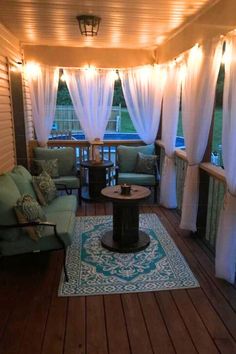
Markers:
{"x": 94, "y": 270}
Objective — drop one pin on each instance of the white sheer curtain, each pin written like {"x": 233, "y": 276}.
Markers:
{"x": 43, "y": 85}
{"x": 226, "y": 238}
{"x": 170, "y": 115}
{"x": 198, "y": 93}
{"x": 91, "y": 92}
{"x": 143, "y": 90}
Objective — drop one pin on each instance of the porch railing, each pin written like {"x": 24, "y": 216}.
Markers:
{"x": 213, "y": 178}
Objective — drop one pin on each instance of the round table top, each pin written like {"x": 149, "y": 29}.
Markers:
{"x": 102, "y": 164}
{"x": 137, "y": 193}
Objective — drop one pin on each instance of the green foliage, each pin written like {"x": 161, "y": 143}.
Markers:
{"x": 220, "y": 87}
{"x": 63, "y": 96}
{"x": 126, "y": 123}
{"x": 118, "y": 97}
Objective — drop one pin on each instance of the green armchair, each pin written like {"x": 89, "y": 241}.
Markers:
{"x": 127, "y": 163}
{"x": 68, "y": 175}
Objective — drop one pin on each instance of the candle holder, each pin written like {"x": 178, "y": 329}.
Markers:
{"x": 125, "y": 189}
{"x": 95, "y": 151}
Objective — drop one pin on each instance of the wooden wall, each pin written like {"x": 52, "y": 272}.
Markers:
{"x": 9, "y": 52}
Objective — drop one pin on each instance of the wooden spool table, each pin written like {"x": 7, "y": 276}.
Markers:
{"x": 97, "y": 178}
{"x": 125, "y": 236}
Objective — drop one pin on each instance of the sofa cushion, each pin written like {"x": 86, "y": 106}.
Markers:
{"x": 50, "y": 166}
{"x": 62, "y": 203}
{"x": 145, "y": 164}
{"x": 23, "y": 180}
{"x": 69, "y": 181}
{"x": 27, "y": 209}
{"x": 65, "y": 226}
{"x": 136, "y": 178}
{"x": 45, "y": 188}
{"x": 127, "y": 156}
{"x": 66, "y": 158}
{"x": 9, "y": 194}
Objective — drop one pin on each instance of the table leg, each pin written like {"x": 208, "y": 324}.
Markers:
{"x": 125, "y": 236}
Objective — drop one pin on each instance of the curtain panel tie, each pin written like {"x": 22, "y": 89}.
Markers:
{"x": 170, "y": 157}
{"x": 226, "y": 197}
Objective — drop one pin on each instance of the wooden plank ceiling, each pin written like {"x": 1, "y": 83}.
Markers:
{"x": 125, "y": 23}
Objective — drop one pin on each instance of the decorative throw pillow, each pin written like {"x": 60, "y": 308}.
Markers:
{"x": 27, "y": 209}
{"x": 44, "y": 188}
{"x": 49, "y": 166}
{"x": 145, "y": 164}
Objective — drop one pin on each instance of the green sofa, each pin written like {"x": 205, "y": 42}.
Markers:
{"x": 125, "y": 170}
{"x": 68, "y": 175}
{"x": 60, "y": 215}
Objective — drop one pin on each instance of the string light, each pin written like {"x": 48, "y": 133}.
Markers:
{"x": 114, "y": 75}
{"x": 196, "y": 53}
{"x": 32, "y": 70}
{"x": 90, "y": 70}
{"x": 183, "y": 72}
{"x": 63, "y": 78}
{"x": 227, "y": 56}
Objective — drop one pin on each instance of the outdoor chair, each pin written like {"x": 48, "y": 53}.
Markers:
{"x": 68, "y": 178}
{"x": 137, "y": 165}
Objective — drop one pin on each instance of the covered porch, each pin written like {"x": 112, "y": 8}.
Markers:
{"x": 201, "y": 320}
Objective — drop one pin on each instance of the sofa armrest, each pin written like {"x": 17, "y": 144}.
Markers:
{"x": 42, "y": 223}
{"x": 63, "y": 187}
{"x": 27, "y": 224}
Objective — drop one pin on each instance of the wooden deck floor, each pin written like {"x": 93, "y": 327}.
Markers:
{"x": 33, "y": 320}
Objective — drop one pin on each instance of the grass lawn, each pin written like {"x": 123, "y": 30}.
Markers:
{"x": 126, "y": 123}
{"x": 127, "y": 127}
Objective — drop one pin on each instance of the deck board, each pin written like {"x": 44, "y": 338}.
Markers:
{"x": 201, "y": 320}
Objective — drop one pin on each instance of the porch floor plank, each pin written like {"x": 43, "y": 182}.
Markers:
{"x": 33, "y": 319}
{"x": 118, "y": 341}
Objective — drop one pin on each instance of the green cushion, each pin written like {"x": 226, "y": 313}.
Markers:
{"x": 28, "y": 209}
{"x": 62, "y": 203}
{"x": 66, "y": 159}
{"x": 23, "y": 180}
{"x": 65, "y": 226}
{"x": 145, "y": 164}
{"x": 9, "y": 194}
{"x": 44, "y": 186}
{"x": 136, "y": 178}
{"x": 70, "y": 182}
{"x": 50, "y": 166}
{"x": 127, "y": 156}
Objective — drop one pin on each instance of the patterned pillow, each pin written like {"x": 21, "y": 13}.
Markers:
{"x": 49, "y": 166}
{"x": 145, "y": 164}
{"x": 27, "y": 209}
{"x": 44, "y": 188}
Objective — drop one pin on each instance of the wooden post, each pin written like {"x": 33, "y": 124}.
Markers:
{"x": 204, "y": 186}
{"x": 18, "y": 116}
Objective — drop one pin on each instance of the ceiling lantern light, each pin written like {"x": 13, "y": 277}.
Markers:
{"x": 88, "y": 25}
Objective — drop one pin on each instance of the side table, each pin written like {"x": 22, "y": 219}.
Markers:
{"x": 96, "y": 178}
{"x": 125, "y": 236}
